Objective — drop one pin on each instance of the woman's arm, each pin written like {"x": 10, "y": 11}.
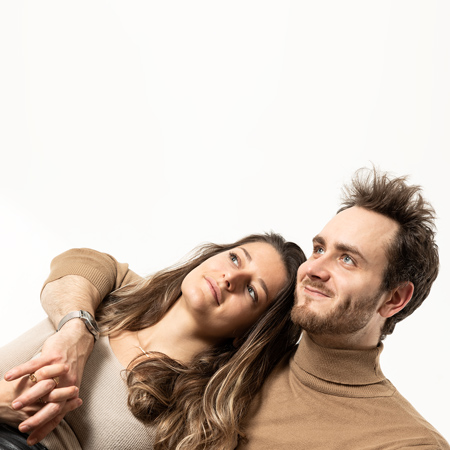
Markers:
{"x": 79, "y": 280}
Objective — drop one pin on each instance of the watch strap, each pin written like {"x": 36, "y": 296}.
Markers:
{"x": 86, "y": 317}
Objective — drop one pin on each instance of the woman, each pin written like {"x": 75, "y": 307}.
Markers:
{"x": 198, "y": 340}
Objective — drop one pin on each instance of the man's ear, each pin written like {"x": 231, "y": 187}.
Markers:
{"x": 397, "y": 300}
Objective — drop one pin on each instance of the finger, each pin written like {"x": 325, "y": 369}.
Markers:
{"x": 41, "y": 432}
{"x": 51, "y": 371}
{"x": 32, "y": 395}
{"x": 47, "y": 419}
{"x": 61, "y": 394}
{"x": 26, "y": 368}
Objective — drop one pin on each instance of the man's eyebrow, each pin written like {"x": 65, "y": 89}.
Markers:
{"x": 261, "y": 281}
{"x": 349, "y": 249}
{"x": 342, "y": 247}
{"x": 318, "y": 240}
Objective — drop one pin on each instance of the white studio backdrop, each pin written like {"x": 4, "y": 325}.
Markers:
{"x": 142, "y": 129}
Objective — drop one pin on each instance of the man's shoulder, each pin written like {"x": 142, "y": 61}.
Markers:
{"x": 411, "y": 424}
{"x": 289, "y": 414}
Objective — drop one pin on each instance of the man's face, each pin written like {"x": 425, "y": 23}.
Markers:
{"x": 339, "y": 287}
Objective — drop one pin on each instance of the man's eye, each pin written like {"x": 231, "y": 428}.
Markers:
{"x": 348, "y": 260}
{"x": 319, "y": 250}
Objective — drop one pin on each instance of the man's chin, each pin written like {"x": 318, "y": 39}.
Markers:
{"x": 302, "y": 314}
{"x": 309, "y": 320}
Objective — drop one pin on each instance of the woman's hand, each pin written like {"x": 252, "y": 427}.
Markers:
{"x": 23, "y": 401}
{"x": 42, "y": 389}
{"x": 8, "y": 392}
{"x": 64, "y": 355}
{"x": 23, "y": 398}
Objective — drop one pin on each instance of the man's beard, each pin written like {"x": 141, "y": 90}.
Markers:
{"x": 349, "y": 315}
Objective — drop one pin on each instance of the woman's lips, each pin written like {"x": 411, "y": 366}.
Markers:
{"x": 214, "y": 287}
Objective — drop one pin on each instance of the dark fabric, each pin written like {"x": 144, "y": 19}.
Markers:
{"x": 12, "y": 439}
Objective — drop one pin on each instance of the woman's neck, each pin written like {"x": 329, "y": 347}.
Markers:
{"x": 175, "y": 335}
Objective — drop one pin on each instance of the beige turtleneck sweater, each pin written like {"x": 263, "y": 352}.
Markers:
{"x": 318, "y": 399}
{"x": 334, "y": 400}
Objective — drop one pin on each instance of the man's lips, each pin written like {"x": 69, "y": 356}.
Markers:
{"x": 313, "y": 291}
{"x": 214, "y": 287}
{"x": 317, "y": 291}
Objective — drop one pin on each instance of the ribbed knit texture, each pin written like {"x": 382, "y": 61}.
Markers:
{"x": 320, "y": 399}
{"x": 323, "y": 399}
{"x": 104, "y": 420}
{"x": 101, "y": 269}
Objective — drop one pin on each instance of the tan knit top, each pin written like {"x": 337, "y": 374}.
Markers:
{"x": 104, "y": 420}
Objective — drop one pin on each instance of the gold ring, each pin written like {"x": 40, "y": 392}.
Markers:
{"x": 56, "y": 380}
{"x": 32, "y": 377}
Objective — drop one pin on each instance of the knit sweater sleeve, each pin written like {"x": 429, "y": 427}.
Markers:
{"x": 101, "y": 269}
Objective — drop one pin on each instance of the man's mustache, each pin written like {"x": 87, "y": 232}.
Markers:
{"x": 319, "y": 285}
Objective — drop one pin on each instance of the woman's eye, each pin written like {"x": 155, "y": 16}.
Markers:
{"x": 348, "y": 260}
{"x": 234, "y": 258}
{"x": 252, "y": 293}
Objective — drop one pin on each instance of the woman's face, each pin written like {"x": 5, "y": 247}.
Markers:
{"x": 227, "y": 293}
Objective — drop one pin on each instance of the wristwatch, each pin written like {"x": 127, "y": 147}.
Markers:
{"x": 86, "y": 317}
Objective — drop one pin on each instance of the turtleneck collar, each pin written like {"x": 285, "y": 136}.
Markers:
{"x": 340, "y": 372}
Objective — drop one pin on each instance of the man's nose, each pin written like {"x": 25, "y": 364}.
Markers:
{"x": 318, "y": 268}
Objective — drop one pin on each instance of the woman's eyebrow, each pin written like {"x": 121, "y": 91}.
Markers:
{"x": 247, "y": 254}
{"x": 261, "y": 281}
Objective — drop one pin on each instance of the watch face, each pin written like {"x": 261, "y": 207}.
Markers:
{"x": 86, "y": 315}
{"x": 90, "y": 322}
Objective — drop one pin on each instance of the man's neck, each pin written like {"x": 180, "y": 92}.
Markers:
{"x": 344, "y": 342}
{"x": 366, "y": 338}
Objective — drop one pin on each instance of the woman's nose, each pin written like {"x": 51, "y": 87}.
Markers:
{"x": 234, "y": 278}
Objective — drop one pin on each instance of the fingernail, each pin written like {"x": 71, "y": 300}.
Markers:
{"x": 17, "y": 405}
{"x": 31, "y": 442}
{"x": 8, "y": 376}
{"x": 24, "y": 428}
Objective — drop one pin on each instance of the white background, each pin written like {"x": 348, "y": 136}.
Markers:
{"x": 145, "y": 128}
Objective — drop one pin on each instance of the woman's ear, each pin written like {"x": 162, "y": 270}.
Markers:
{"x": 398, "y": 299}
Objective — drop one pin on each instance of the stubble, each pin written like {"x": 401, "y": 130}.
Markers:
{"x": 348, "y": 316}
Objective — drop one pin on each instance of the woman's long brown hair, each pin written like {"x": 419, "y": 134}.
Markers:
{"x": 201, "y": 405}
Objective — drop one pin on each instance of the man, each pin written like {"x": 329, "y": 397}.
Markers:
{"x": 372, "y": 265}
